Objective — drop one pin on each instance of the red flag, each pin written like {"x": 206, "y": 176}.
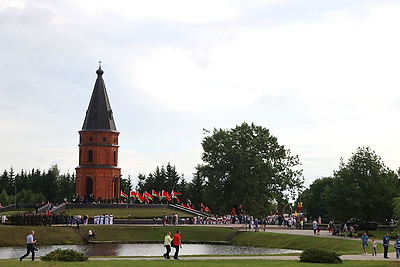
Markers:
{"x": 133, "y": 194}
{"x": 154, "y": 193}
{"x": 166, "y": 195}
{"x": 147, "y": 196}
{"x": 124, "y": 195}
{"x": 174, "y": 194}
{"x": 233, "y": 212}
{"x": 140, "y": 197}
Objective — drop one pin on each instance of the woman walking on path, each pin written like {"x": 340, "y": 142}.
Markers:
{"x": 167, "y": 244}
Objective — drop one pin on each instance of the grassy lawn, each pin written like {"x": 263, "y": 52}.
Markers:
{"x": 157, "y": 233}
{"x": 15, "y": 236}
{"x": 195, "y": 263}
{"x": 123, "y": 213}
{"x": 287, "y": 241}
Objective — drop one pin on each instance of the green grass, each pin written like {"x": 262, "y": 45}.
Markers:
{"x": 16, "y": 235}
{"x": 157, "y": 233}
{"x": 195, "y": 263}
{"x": 123, "y": 213}
{"x": 287, "y": 241}
{"x": 379, "y": 234}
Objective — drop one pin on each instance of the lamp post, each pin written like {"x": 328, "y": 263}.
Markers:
{"x": 66, "y": 203}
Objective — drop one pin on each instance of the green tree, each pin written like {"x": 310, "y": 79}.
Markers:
{"x": 50, "y": 184}
{"x": 7, "y": 181}
{"x": 30, "y": 197}
{"x": 126, "y": 184}
{"x": 314, "y": 198}
{"x": 363, "y": 188}
{"x": 66, "y": 187}
{"x": 195, "y": 190}
{"x": 5, "y": 199}
{"x": 163, "y": 178}
{"x": 246, "y": 165}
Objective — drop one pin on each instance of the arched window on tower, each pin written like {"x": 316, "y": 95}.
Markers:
{"x": 115, "y": 157}
{"x": 90, "y": 156}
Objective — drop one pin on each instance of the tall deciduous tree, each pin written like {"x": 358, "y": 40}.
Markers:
{"x": 247, "y": 166}
{"x": 363, "y": 188}
{"x": 314, "y": 198}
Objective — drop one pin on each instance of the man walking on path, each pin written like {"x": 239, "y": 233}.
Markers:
{"x": 30, "y": 240}
{"x": 386, "y": 246}
{"x": 364, "y": 242}
{"x": 315, "y": 226}
{"x": 177, "y": 244}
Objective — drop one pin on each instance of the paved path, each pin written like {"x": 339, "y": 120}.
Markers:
{"x": 392, "y": 257}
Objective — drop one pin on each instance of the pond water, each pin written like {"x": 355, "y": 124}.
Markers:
{"x": 145, "y": 250}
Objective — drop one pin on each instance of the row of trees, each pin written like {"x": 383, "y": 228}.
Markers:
{"x": 247, "y": 167}
{"x": 363, "y": 188}
{"x": 36, "y": 186}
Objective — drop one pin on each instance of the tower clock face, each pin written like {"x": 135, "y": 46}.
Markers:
{"x": 104, "y": 139}
{"x": 90, "y": 139}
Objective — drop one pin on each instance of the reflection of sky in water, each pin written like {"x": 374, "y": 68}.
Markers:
{"x": 145, "y": 250}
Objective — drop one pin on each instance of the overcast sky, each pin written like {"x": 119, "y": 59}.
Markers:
{"x": 322, "y": 76}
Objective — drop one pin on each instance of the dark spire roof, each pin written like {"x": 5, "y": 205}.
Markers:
{"x": 99, "y": 115}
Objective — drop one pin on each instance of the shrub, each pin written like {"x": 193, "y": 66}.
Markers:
{"x": 64, "y": 255}
{"x": 320, "y": 256}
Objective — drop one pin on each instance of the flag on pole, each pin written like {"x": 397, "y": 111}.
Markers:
{"x": 147, "y": 196}
{"x": 166, "y": 195}
{"x": 174, "y": 194}
{"x": 155, "y": 194}
{"x": 140, "y": 197}
{"x": 124, "y": 195}
{"x": 133, "y": 194}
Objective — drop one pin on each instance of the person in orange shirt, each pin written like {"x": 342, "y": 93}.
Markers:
{"x": 177, "y": 244}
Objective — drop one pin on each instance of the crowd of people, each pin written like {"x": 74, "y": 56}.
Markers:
{"x": 104, "y": 219}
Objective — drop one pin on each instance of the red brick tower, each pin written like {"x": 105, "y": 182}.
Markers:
{"x": 98, "y": 175}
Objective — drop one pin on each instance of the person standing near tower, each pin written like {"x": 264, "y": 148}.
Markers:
{"x": 30, "y": 240}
